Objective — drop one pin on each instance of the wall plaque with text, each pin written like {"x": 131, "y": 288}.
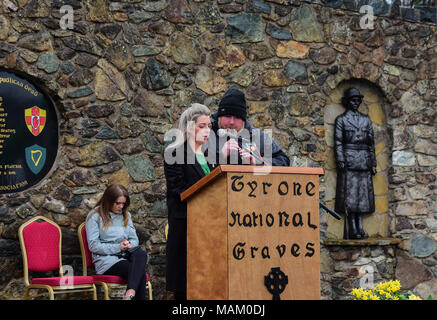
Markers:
{"x": 28, "y": 134}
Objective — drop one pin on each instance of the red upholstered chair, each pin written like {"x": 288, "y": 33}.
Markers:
{"x": 41, "y": 248}
{"x": 106, "y": 281}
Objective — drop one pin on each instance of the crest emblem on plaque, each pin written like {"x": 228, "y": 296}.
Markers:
{"x": 35, "y": 158}
{"x": 35, "y": 119}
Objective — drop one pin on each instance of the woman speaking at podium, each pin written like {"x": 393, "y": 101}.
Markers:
{"x": 185, "y": 162}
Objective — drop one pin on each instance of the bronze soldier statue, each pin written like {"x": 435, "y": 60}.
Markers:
{"x": 356, "y": 163}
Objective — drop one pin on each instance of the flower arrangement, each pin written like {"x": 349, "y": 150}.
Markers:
{"x": 388, "y": 290}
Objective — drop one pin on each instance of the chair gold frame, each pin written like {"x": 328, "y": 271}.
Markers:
{"x": 51, "y": 290}
{"x": 168, "y": 294}
{"x": 166, "y": 231}
{"x": 105, "y": 285}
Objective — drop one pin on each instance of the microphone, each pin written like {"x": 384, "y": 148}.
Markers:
{"x": 223, "y": 133}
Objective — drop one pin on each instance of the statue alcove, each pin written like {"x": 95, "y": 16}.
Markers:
{"x": 376, "y": 224}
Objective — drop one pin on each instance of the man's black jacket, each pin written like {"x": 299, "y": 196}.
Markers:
{"x": 278, "y": 157}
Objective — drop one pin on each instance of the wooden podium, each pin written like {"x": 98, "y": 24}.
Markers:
{"x": 244, "y": 222}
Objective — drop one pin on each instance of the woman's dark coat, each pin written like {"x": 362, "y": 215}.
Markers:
{"x": 179, "y": 177}
{"x": 354, "y": 146}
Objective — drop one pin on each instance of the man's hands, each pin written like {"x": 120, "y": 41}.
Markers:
{"x": 228, "y": 147}
{"x": 247, "y": 157}
{"x": 232, "y": 145}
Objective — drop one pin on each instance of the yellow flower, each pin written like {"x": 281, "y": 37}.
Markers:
{"x": 395, "y": 285}
{"x": 384, "y": 290}
{"x": 357, "y": 293}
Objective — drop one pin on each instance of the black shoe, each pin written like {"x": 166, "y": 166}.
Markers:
{"x": 355, "y": 236}
{"x": 364, "y": 235}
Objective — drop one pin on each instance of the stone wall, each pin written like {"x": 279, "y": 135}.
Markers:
{"x": 353, "y": 264}
{"x": 122, "y": 76}
{"x": 425, "y": 11}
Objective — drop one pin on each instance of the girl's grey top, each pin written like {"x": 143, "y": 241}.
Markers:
{"x": 105, "y": 244}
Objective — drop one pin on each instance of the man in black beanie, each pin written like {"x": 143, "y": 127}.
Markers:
{"x": 233, "y": 103}
{"x": 252, "y": 146}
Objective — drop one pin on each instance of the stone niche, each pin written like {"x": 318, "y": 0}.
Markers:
{"x": 348, "y": 264}
{"x": 374, "y": 105}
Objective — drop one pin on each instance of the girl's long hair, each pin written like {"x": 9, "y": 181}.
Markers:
{"x": 105, "y": 203}
{"x": 187, "y": 120}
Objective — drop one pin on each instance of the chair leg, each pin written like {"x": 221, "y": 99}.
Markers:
{"x": 105, "y": 291}
{"x": 51, "y": 293}
{"x": 169, "y": 295}
{"x": 94, "y": 292}
{"x": 26, "y": 294}
{"x": 150, "y": 291}
{"x": 149, "y": 288}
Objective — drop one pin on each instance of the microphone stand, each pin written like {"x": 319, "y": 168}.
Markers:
{"x": 256, "y": 156}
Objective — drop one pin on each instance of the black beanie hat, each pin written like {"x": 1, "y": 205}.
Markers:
{"x": 233, "y": 103}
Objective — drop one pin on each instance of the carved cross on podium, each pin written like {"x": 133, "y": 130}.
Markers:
{"x": 276, "y": 281}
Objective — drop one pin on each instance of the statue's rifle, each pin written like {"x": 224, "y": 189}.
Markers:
{"x": 346, "y": 213}
{"x": 333, "y": 213}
